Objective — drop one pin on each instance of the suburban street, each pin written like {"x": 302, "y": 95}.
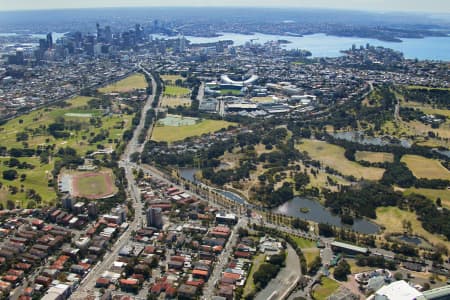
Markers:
{"x": 286, "y": 280}
{"x": 88, "y": 282}
{"x": 208, "y": 290}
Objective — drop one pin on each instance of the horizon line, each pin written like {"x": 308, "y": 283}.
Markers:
{"x": 231, "y": 7}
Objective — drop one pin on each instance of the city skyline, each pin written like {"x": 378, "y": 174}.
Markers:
{"x": 440, "y": 6}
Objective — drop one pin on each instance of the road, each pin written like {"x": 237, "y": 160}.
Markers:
{"x": 201, "y": 93}
{"x": 88, "y": 283}
{"x": 286, "y": 280}
{"x": 222, "y": 260}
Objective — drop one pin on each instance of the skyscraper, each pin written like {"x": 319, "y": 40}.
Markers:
{"x": 182, "y": 43}
{"x": 108, "y": 35}
{"x": 154, "y": 217}
{"x": 49, "y": 40}
{"x": 19, "y": 56}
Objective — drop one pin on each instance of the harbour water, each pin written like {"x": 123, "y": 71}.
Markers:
{"x": 321, "y": 45}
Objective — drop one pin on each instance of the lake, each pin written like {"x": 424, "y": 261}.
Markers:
{"x": 189, "y": 174}
{"x": 321, "y": 45}
{"x": 361, "y": 138}
{"x": 318, "y": 213}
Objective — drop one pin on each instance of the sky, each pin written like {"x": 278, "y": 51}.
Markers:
{"x": 440, "y": 6}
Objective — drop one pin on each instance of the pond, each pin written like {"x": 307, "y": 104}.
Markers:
{"x": 312, "y": 210}
{"x": 318, "y": 213}
{"x": 360, "y": 138}
{"x": 413, "y": 240}
{"x": 189, "y": 174}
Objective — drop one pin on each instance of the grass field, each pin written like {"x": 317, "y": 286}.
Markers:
{"x": 303, "y": 243}
{"x": 176, "y": 91}
{"x": 171, "y": 78}
{"x": 374, "y": 157}
{"x": 426, "y": 108}
{"x": 34, "y": 122}
{"x": 174, "y": 133}
{"x": 175, "y": 102}
{"x": 310, "y": 255}
{"x": 230, "y": 92}
{"x": 36, "y": 179}
{"x": 309, "y": 248}
{"x": 92, "y": 185}
{"x": 423, "y": 167}
{"x": 357, "y": 269}
{"x": 419, "y": 87}
{"x": 419, "y": 130}
{"x": 333, "y": 156}
{"x": 249, "y": 284}
{"x": 262, "y": 99}
{"x": 392, "y": 217}
{"x": 321, "y": 180}
{"x": 132, "y": 82}
{"x": 325, "y": 289}
{"x": 432, "y": 194}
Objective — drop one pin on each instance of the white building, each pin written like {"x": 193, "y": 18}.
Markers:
{"x": 398, "y": 290}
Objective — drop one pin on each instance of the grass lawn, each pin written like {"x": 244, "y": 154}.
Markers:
{"x": 420, "y": 87}
{"x": 174, "y": 133}
{"x": 36, "y": 179}
{"x": 333, "y": 156}
{"x": 176, "y": 91}
{"x": 321, "y": 180}
{"x": 303, "y": 243}
{"x": 93, "y": 185}
{"x": 325, "y": 289}
{"x": 132, "y": 82}
{"x": 172, "y": 78}
{"x": 175, "y": 102}
{"x": 432, "y": 194}
{"x": 249, "y": 284}
{"x": 310, "y": 255}
{"x": 426, "y": 108}
{"x": 34, "y": 122}
{"x": 423, "y": 167}
{"x": 374, "y": 157}
{"x": 357, "y": 269}
{"x": 262, "y": 99}
{"x": 230, "y": 92}
{"x": 391, "y": 218}
{"x": 309, "y": 248}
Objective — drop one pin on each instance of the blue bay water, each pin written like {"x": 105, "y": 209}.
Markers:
{"x": 321, "y": 45}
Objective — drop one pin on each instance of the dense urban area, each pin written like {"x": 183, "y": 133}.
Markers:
{"x": 136, "y": 164}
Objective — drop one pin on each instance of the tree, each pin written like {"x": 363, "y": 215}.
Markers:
{"x": 9, "y": 174}
{"x": 134, "y": 157}
{"x": 300, "y": 224}
{"x": 31, "y": 204}
{"x": 242, "y": 232}
{"x": 264, "y": 274}
{"x": 326, "y": 230}
{"x": 315, "y": 265}
{"x": 342, "y": 270}
{"x": 398, "y": 276}
{"x": 10, "y": 204}
{"x": 140, "y": 174}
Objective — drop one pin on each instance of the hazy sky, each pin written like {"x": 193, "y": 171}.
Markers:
{"x": 441, "y": 6}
